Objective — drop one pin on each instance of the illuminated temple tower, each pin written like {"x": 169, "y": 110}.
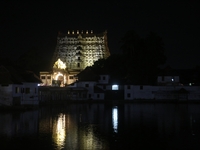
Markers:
{"x": 75, "y": 51}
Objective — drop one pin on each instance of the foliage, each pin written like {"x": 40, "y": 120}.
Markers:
{"x": 139, "y": 61}
{"x": 113, "y": 65}
{"x": 30, "y": 60}
{"x": 142, "y": 56}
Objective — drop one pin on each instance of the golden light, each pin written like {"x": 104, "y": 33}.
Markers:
{"x": 59, "y": 74}
{"x": 59, "y": 133}
{"x": 59, "y": 64}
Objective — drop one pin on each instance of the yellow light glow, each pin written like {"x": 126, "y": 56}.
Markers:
{"x": 59, "y": 74}
{"x": 59, "y": 64}
{"x": 59, "y": 132}
{"x": 89, "y": 140}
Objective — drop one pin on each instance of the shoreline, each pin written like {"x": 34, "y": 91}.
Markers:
{"x": 4, "y": 108}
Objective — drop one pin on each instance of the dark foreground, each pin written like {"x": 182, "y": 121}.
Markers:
{"x": 100, "y": 126}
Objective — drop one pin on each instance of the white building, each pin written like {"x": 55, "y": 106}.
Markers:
{"x": 18, "y": 88}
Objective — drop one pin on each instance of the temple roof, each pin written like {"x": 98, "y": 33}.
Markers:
{"x": 75, "y": 34}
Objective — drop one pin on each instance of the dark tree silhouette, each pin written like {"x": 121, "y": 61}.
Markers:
{"x": 130, "y": 43}
{"x": 113, "y": 65}
{"x": 142, "y": 57}
{"x": 30, "y": 60}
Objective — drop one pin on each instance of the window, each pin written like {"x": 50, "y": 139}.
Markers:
{"x": 27, "y": 90}
{"x": 84, "y": 95}
{"x": 78, "y": 65}
{"x": 128, "y": 87}
{"x": 104, "y": 78}
{"x": 43, "y": 77}
{"x": 16, "y": 89}
{"x": 22, "y": 90}
{"x": 86, "y": 85}
{"x": 48, "y": 77}
{"x": 71, "y": 77}
{"x": 162, "y": 78}
{"x": 128, "y": 95}
{"x": 141, "y": 87}
{"x": 98, "y": 96}
{"x": 35, "y": 90}
{"x": 115, "y": 87}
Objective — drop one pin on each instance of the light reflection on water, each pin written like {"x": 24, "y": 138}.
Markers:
{"x": 115, "y": 118}
{"x": 59, "y": 131}
{"x": 98, "y": 126}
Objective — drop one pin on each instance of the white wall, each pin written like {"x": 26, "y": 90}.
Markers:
{"x": 104, "y": 79}
{"x": 98, "y": 96}
{"x": 6, "y": 95}
{"x": 194, "y": 92}
{"x": 139, "y": 92}
{"x": 30, "y": 98}
{"x": 168, "y": 79}
{"x": 90, "y": 87}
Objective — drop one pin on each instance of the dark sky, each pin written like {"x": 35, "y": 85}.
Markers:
{"x": 30, "y": 25}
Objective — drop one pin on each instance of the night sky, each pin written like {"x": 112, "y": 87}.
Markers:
{"x": 30, "y": 25}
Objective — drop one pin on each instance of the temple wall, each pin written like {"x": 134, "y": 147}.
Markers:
{"x": 79, "y": 50}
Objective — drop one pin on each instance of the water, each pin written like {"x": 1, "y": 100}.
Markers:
{"x": 102, "y": 127}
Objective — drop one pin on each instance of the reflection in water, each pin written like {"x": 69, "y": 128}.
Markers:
{"x": 128, "y": 126}
{"x": 115, "y": 118}
{"x": 88, "y": 138}
{"x": 59, "y": 131}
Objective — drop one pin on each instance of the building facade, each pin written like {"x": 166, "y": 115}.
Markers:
{"x": 74, "y": 52}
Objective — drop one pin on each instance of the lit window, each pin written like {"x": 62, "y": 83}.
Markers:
{"x": 115, "y": 87}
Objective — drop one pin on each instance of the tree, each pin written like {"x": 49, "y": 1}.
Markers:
{"x": 30, "y": 60}
{"x": 142, "y": 56}
{"x": 130, "y": 43}
{"x": 114, "y": 65}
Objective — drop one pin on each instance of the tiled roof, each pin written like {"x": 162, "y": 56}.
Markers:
{"x": 29, "y": 76}
{"x": 87, "y": 75}
{"x": 9, "y": 75}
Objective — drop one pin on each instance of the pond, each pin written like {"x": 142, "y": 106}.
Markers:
{"x": 102, "y": 127}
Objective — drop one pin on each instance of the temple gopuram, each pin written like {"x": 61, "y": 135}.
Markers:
{"x": 75, "y": 51}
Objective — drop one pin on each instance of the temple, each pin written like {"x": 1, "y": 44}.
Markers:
{"x": 74, "y": 52}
